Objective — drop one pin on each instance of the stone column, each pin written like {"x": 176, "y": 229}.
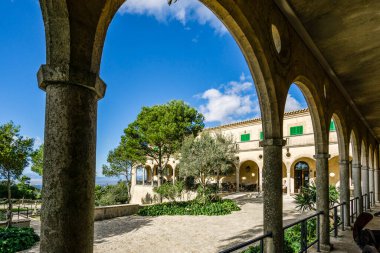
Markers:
{"x": 133, "y": 177}
{"x": 272, "y": 187}
{"x": 152, "y": 176}
{"x": 356, "y": 176}
{"x": 345, "y": 189}
{"x": 288, "y": 181}
{"x": 67, "y": 214}
{"x": 376, "y": 182}
{"x": 365, "y": 183}
{"x": 322, "y": 183}
{"x": 143, "y": 176}
{"x": 174, "y": 174}
{"x": 371, "y": 181}
{"x": 237, "y": 178}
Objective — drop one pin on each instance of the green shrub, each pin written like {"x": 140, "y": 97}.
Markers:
{"x": 111, "y": 194}
{"x": 3, "y": 216}
{"x": 169, "y": 191}
{"x": 307, "y": 199}
{"x": 220, "y": 207}
{"x": 16, "y": 239}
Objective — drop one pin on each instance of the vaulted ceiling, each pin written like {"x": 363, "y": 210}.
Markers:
{"x": 347, "y": 35}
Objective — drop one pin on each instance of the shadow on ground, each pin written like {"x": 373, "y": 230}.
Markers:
{"x": 244, "y": 236}
{"x": 119, "y": 226}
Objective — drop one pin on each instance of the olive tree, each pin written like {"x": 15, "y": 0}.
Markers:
{"x": 15, "y": 151}
{"x": 207, "y": 156}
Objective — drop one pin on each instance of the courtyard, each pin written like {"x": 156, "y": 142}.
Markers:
{"x": 184, "y": 233}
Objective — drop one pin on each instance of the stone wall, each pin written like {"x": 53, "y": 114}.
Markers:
{"x": 109, "y": 212}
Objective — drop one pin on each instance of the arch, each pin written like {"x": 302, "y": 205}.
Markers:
{"x": 298, "y": 177}
{"x": 342, "y": 136}
{"x": 356, "y": 149}
{"x": 315, "y": 105}
{"x": 334, "y": 175}
{"x": 249, "y": 175}
{"x": 364, "y": 153}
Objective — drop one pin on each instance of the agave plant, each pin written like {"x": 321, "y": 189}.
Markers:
{"x": 307, "y": 199}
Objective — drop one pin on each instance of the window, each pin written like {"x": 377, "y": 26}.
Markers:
{"x": 245, "y": 137}
{"x": 261, "y": 135}
{"x": 296, "y": 130}
{"x": 332, "y": 126}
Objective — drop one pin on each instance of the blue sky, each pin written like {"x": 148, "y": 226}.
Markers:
{"x": 153, "y": 53}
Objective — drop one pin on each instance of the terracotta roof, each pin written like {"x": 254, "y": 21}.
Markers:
{"x": 255, "y": 120}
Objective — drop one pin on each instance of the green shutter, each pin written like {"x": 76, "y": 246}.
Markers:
{"x": 261, "y": 135}
{"x": 332, "y": 126}
{"x": 296, "y": 130}
{"x": 245, "y": 137}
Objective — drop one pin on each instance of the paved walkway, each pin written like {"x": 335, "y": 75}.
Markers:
{"x": 184, "y": 233}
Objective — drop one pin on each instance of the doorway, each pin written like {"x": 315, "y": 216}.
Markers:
{"x": 301, "y": 175}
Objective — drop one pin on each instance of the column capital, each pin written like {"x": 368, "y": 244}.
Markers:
{"x": 356, "y": 165}
{"x": 66, "y": 74}
{"x": 365, "y": 167}
{"x": 272, "y": 142}
{"x": 322, "y": 156}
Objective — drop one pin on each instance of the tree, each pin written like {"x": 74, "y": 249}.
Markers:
{"x": 37, "y": 160}
{"x": 15, "y": 151}
{"x": 123, "y": 158}
{"x": 160, "y": 130}
{"x": 206, "y": 156}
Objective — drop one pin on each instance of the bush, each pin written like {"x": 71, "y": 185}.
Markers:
{"x": 208, "y": 194}
{"x": 307, "y": 199}
{"x": 193, "y": 207}
{"x": 16, "y": 239}
{"x": 169, "y": 191}
{"x": 111, "y": 194}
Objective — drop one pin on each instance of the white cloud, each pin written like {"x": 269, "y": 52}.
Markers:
{"x": 183, "y": 11}
{"x": 231, "y": 102}
{"x": 292, "y": 104}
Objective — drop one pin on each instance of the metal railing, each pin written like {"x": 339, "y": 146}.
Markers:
{"x": 258, "y": 240}
{"x": 304, "y": 242}
{"x": 337, "y": 220}
{"x": 354, "y": 208}
{"x": 338, "y": 215}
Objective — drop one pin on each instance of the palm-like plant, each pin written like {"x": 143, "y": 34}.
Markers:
{"x": 307, "y": 199}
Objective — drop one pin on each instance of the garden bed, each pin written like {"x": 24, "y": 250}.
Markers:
{"x": 193, "y": 207}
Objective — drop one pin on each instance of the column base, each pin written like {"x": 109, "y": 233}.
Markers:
{"x": 325, "y": 248}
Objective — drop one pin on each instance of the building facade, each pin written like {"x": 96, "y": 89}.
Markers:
{"x": 298, "y": 166}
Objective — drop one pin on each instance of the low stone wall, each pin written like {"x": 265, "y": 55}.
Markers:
{"x": 22, "y": 223}
{"x": 109, "y": 212}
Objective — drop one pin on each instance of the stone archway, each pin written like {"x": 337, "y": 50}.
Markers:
{"x": 249, "y": 176}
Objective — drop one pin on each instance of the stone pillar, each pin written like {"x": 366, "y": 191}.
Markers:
{"x": 371, "y": 181}
{"x": 237, "y": 178}
{"x": 322, "y": 183}
{"x": 133, "y": 177}
{"x": 288, "y": 181}
{"x": 356, "y": 176}
{"x": 345, "y": 189}
{"x": 152, "y": 176}
{"x": 376, "y": 182}
{"x": 143, "y": 176}
{"x": 365, "y": 183}
{"x": 174, "y": 175}
{"x": 67, "y": 214}
{"x": 272, "y": 187}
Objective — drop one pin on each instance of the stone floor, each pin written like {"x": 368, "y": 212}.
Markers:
{"x": 194, "y": 233}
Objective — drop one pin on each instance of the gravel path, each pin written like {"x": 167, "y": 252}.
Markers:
{"x": 184, "y": 233}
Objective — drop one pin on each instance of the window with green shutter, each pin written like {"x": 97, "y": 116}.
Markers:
{"x": 261, "y": 135}
{"x": 245, "y": 137}
{"x": 332, "y": 126}
{"x": 296, "y": 130}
